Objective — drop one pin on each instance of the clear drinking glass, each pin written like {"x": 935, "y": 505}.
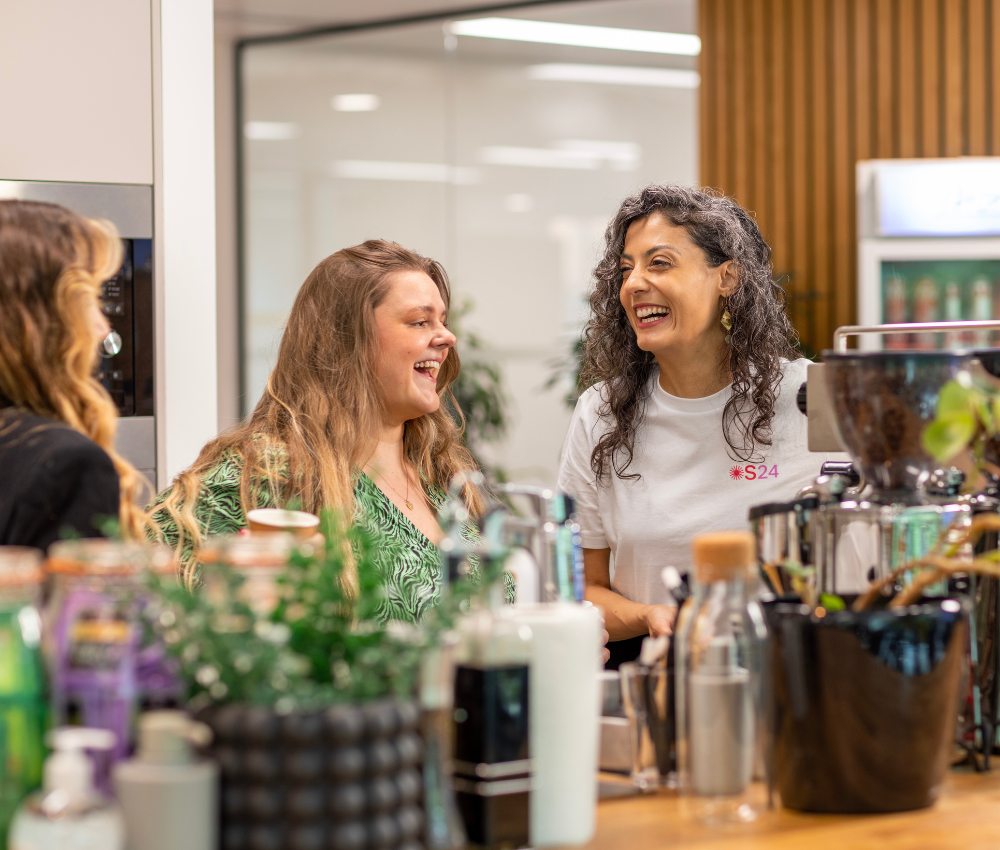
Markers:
{"x": 635, "y": 686}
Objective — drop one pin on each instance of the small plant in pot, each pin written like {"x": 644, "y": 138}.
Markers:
{"x": 308, "y": 692}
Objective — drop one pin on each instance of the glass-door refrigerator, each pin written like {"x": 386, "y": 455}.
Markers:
{"x": 928, "y": 247}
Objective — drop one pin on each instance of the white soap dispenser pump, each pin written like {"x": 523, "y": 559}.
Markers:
{"x": 69, "y": 811}
{"x": 169, "y": 798}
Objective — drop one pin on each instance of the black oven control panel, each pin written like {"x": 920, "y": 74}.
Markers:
{"x": 126, "y": 365}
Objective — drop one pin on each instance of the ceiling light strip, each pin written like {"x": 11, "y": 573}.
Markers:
{"x": 577, "y": 35}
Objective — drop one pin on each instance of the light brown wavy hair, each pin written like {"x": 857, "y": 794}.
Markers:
{"x": 52, "y": 265}
{"x": 322, "y": 410}
{"x": 761, "y": 336}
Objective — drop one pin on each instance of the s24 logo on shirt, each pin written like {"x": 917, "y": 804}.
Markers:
{"x": 753, "y": 472}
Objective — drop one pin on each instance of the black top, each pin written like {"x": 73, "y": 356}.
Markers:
{"x": 54, "y": 481}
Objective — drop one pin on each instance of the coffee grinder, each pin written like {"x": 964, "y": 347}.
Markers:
{"x": 875, "y": 405}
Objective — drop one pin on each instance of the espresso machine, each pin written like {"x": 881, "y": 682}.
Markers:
{"x": 851, "y": 527}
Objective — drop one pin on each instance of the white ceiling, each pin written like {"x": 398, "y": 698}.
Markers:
{"x": 243, "y": 18}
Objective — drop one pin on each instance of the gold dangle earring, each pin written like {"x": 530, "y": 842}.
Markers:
{"x": 727, "y": 324}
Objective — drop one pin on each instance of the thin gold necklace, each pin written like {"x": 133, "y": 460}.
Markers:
{"x": 405, "y": 498}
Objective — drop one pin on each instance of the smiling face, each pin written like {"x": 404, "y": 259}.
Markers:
{"x": 413, "y": 342}
{"x": 670, "y": 293}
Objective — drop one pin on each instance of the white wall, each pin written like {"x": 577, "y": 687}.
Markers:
{"x": 121, "y": 91}
{"x": 76, "y": 91}
{"x": 184, "y": 156}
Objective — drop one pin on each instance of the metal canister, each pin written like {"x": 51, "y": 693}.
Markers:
{"x": 783, "y": 532}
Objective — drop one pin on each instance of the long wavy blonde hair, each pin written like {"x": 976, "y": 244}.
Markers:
{"x": 318, "y": 419}
{"x": 52, "y": 265}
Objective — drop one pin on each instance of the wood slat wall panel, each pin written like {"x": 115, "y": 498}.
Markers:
{"x": 955, "y": 140}
{"x": 885, "y": 122}
{"x": 930, "y": 51}
{"x": 977, "y": 78}
{"x": 800, "y": 185}
{"x": 842, "y": 201}
{"x": 993, "y": 68}
{"x": 906, "y": 75}
{"x": 794, "y": 93}
{"x": 819, "y": 150}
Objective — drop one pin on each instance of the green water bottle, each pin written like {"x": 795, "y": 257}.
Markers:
{"x": 22, "y": 692}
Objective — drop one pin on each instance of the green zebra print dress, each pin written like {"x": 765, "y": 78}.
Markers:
{"x": 410, "y": 564}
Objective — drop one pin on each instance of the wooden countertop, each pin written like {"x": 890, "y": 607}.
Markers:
{"x": 967, "y": 816}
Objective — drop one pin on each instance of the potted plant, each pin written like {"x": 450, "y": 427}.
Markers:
{"x": 310, "y": 696}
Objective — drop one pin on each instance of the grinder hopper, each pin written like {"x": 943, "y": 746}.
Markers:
{"x": 882, "y": 401}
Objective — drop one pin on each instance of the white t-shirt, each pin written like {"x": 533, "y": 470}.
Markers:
{"x": 689, "y": 482}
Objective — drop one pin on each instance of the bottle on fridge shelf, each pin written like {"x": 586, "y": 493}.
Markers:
{"x": 982, "y": 309}
{"x": 953, "y": 313}
{"x": 895, "y": 311}
{"x": 168, "y": 798}
{"x": 925, "y": 309}
{"x": 720, "y": 643}
{"x": 22, "y": 685}
{"x": 69, "y": 812}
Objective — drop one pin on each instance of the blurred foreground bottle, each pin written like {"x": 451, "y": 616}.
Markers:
{"x": 69, "y": 812}
{"x": 720, "y": 644}
{"x": 492, "y": 716}
{"x": 169, "y": 798}
{"x": 492, "y": 759}
{"x": 102, "y": 667}
{"x": 22, "y": 697}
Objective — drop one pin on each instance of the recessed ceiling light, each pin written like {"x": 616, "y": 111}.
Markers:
{"x": 418, "y": 172}
{"x": 620, "y": 75}
{"x": 270, "y": 131}
{"x": 577, "y": 35}
{"x": 355, "y": 102}
{"x": 583, "y": 155}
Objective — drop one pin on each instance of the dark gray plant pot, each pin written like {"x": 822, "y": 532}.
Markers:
{"x": 345, "y": 778}
{"x": 865, "y": 704}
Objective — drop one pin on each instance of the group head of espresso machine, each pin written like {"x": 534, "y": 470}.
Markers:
{"x": 862, "y": 519}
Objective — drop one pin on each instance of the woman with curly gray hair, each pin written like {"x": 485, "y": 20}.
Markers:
{"x": 690, "y": 417}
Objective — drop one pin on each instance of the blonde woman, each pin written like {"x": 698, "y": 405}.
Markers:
{"x": 59, "y": 472}
{"x": 351, "y": 419}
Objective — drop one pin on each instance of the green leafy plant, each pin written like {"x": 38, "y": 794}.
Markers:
{"x": 966, "y": 425}
{"x": 566, "y": 371}
{"x": 317, "y": 646}
{"x": 478, "y": 390}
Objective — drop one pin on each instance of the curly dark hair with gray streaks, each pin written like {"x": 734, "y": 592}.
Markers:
{"x": 761, "y": 334}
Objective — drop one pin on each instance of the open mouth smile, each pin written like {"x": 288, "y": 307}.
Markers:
{"x": 650, "y": 315}
{"x": 428, "y": 369}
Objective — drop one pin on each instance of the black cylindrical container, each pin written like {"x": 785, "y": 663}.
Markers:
{"x": 865, "y": 704}
{"x": 345, "y": 778}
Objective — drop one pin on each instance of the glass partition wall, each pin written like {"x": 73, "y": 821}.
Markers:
{"x": 500, "y": 156}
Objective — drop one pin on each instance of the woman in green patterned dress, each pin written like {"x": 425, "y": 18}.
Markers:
{"x": 351, "y": 419}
